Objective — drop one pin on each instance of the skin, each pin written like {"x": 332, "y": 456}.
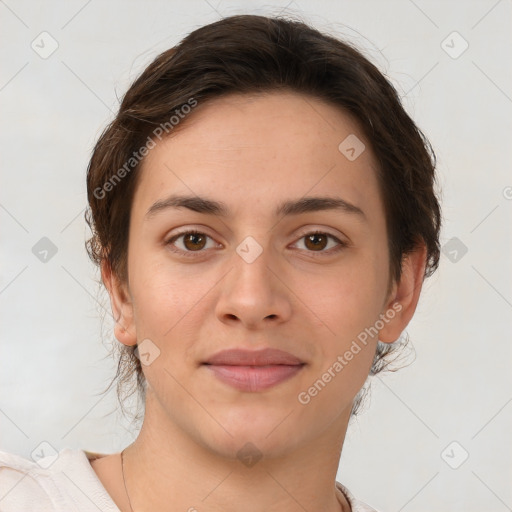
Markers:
{"x": 252, "y": 153}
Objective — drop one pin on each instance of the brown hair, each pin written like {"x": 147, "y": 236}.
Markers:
{"x": 252, "y": 54}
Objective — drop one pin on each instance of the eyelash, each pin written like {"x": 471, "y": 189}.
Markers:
{"x": 192, "y": 254}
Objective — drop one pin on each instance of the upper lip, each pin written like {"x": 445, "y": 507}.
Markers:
{"x": 243, "y": 357}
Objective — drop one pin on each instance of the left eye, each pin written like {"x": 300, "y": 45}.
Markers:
{"x": 318, "y": 241}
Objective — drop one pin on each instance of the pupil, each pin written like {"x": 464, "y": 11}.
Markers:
{"x": 316, "y": 245}
{"x": 193, "y": 238}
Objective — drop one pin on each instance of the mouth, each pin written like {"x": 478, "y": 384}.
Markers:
{"x": 253, "y": 371}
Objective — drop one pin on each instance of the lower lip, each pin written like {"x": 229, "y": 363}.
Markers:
{"x": 254, "y": 378}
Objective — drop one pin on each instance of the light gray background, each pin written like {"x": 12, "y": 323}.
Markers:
{"x": 53, "y": 364}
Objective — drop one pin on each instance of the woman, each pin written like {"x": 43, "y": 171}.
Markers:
{"x": 263, "y": 213}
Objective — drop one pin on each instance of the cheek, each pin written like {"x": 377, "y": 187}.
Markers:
{"x": 350, "y": 296}
{"x": 166, "y": 299}
{"x": 349, "y": 307}
{"x": 158, "y": 295}
{"x": 348, "y": 304}
{"x": 168, "y": 310}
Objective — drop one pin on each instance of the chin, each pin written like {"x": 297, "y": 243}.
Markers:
{"x": 271, "y": 433}
{"x": 249, "y": 445}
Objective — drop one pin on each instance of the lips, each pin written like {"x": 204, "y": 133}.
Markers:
{"x": 265, "y": 357}
{"x": 253, "y": 371}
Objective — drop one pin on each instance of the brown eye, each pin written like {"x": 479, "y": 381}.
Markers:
{"x": 321, "y": 243}
{"x": 316, "y": 241}
{"x": 194, "y": 241}
{"x": 190, "y": 242}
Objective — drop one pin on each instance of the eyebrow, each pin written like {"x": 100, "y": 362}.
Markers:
{"x": 287, "y": 208}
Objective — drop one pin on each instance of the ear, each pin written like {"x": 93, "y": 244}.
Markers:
{"x": 121, "y": 304}
{"x": 401, "y": 303}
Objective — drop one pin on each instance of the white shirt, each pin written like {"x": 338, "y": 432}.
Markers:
{"x": 68, "y": 483}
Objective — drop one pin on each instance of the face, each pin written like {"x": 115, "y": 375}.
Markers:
{"x": 249, "y": 266}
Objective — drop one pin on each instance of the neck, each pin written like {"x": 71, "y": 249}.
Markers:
{"x": 166, "y": 469}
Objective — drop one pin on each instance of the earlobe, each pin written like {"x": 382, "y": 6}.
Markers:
{"x": 122, "y": 307}
{"x": 123, "y": 335}
{"x": 405, "y": 295}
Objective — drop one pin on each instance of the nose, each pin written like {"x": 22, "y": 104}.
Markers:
{"x": 254, "y": 292}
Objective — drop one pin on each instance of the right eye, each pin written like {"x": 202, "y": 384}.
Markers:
{"x": 192, "y": 241}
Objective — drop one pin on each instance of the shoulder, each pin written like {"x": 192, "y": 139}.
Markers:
{"x": 62, "y": 481}
{"x": 355, "y": 504}
{"x": 21, "y": 486}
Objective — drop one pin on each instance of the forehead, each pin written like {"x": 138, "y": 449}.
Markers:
{"x": 260, "y": 149}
